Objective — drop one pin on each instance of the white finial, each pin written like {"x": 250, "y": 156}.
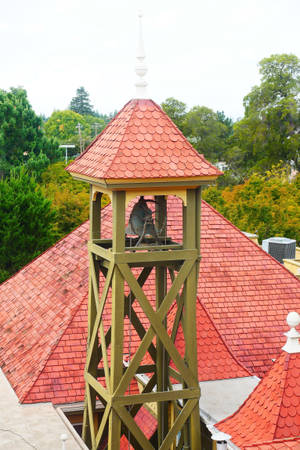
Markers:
{"x": 141, "y": 67}
{"x": 64, "y": 438}
{"x": 292, "y": 344}
{"x": 221, "y": 439}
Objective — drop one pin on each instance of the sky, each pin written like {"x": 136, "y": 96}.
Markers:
{"x": 200, "y": 52}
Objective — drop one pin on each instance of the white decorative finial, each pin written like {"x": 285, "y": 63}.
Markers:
{"x": 292, "y": 344}
{"x": 141, "y": 67}
{"x": 64, "y": 438}
{"x": 221, "y": 439}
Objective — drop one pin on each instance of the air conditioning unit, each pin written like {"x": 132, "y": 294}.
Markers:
{"x": 280, "y": 248}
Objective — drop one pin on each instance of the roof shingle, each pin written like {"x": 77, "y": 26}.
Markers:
{"x": 141, "y": 142}
{"x": 272, "y": 411}
{"x": 43, "y": 315}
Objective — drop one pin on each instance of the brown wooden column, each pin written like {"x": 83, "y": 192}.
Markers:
{"x": 191, "y": 240}
{"x": 117, "y": 317}
{"x": 90, "y": 394}
{"x": 161, "y": 356}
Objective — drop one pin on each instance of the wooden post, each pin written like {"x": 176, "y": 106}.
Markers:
{"x": 191, "y": 240}
{"x": 117, "y": 317}
{"x": 95, "y": 214}
{"x": 95, "y": 233}
{"x": 161, "y": 356}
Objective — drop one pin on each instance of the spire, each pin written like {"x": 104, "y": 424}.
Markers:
{"x": 141, "y": 67}
{"x": 292, "y": 344}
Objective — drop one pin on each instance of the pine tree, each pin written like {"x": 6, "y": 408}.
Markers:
{"x": 27, "y": 221}
{"x": 81, "y": 103}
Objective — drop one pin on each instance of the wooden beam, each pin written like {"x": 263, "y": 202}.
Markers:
{"x": 178, "y": 424}
{"x": 117, "y": 315}
{"x": 133, "y": 399}
{"x": 133, "y": 427}
{"x": 190, "y": 240}
{"x": 95, "y": 215}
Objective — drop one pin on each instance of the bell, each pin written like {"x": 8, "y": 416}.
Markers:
{"x": 141, "y": 221}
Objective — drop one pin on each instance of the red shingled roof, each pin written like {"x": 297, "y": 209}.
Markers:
{"x": 141, "y": 142}
{"x": 43, "y": 313}
{"x": 215, "y": 361}
{"x": 293, "y": 444}
{"x": 272, "y": 410}
{"x": 146, "y": 422}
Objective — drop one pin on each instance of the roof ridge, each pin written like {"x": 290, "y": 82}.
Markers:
{"x": 246, "y": 237}
{"x": 223, "y": 340}
{"x": 286, "y": 360}
{"x": 52, "y": 348}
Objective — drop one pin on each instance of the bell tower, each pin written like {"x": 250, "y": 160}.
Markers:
{"x": 142, "y": 159}
{"x": 142, "y": 282}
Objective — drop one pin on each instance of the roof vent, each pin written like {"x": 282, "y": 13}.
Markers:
{"x": 280, "y": 248}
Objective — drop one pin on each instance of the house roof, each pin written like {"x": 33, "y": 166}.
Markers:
{"x": 43, "y": 315}
{"x": 215, "y": 360}
{"x": 272, "y": 410}
{"x": 293, "y": 444}
{"x": 141, "y": 142}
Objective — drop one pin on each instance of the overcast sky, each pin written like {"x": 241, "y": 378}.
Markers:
{"x": 200, "y": 52}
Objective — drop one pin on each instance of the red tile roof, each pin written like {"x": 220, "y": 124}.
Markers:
{"x": 286, "y": 444}
{"x": 141, "y": 142}
{"x": 146, "y": 422}
{"x": 272, "y": 410}
{"x": 215, "y": 361}
{"x": 246, "y": 293}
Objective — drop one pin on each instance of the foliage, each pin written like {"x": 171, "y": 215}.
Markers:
{"x": 268, "y": 204}
{"x": 176, "y": 110}
{"x": 269, "y": 131}
{"x": 21, "y": 131}
{"x": 63, "y": 126}
{"x": 26, "y": 222}
{"x": 37, "y": 163}
{"x": 81, "y": 103}
{"x": 206, "y": 132}
{"x": 70, "y": 198}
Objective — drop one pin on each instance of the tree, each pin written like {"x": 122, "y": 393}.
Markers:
{"x": 26, "y": 222}
{"x": 69, "y": 198}
{"x": 206, "y": 132}
{"x": 176, "y": 110}
{"x": 21, "y": 131}
{"x": 266, "y": 204}
{"x": 81, "y": 103}
{"x": 63, "y": 126}
{"x": 269, "y": 131}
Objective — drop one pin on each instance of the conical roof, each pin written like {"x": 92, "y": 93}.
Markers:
{"x": 142, "y": 142}
{"x": 272, "y": 411}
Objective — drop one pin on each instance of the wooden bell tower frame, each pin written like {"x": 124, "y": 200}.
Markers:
{"x": 177, "y": 410}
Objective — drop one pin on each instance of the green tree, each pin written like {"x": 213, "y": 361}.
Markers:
{"x": 37, "y": 163}
{"x": 63, "y": 126}
{"x": 69, "y": 198}
{"x": 27, "y": 222}
{"x": 81, "y": 103}
{"x": 266, "y": 204}
{"x": 206, "y": 132}
{"x": 176, "y": 110}
{"x": 269, "y": 131}
{"x": 21, "y": 131}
